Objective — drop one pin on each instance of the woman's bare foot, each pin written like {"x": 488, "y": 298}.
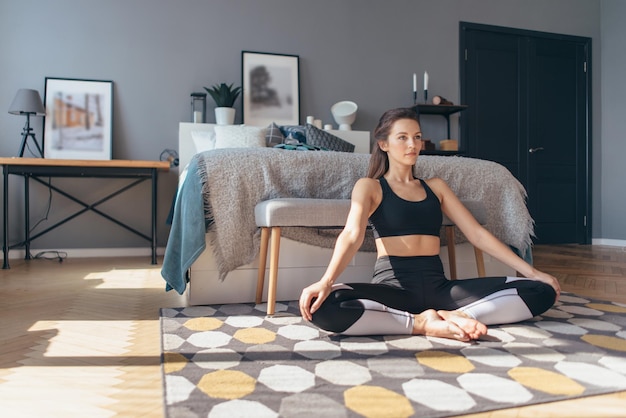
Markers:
{"x": 432, "y": 324}
{"x": 470, "y": 326}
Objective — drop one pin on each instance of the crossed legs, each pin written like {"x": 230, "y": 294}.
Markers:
{"x": 379, "y": 309}
{"x": 364, "y": 309}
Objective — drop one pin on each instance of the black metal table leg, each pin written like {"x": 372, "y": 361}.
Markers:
{"x": 5, "y": 248}
{"x": 27, "y": 217}
{"x": 154, "y": 215}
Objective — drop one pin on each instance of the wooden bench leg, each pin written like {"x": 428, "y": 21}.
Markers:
{"x": 451, "y": 251}
{"x": 274, "y": 252}
{"x": 265, "y": 238}
{"x": 480, "y": 262}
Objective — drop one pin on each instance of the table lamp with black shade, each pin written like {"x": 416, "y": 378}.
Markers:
{"x": 28, "y": 102}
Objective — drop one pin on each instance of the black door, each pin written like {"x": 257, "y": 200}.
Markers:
{"x": 528, "y": 99}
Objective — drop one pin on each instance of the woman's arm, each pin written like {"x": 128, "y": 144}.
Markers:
{"x": 348, "y": 243}
{"x": 483, "y": 239}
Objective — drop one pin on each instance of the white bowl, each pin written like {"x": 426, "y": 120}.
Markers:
{"x": 344, "y": 114}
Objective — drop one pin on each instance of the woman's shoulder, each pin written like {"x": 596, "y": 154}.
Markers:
{"x": 367, "y": 191}
{"x": 367, "y": 180}
{"x": 367, "y": 186}
{"x": 435, "y": 182}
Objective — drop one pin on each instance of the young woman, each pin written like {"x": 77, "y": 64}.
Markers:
{"x": 409, "y": 293}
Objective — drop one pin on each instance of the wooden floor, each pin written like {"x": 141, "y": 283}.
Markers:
{"x": 81, "y": 338}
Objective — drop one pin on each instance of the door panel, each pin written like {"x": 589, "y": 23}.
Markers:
{"x": 553, "y": 199}
{"x": 494, "y": 95}
{"x": 528, "y": 101}
{"x": 553, "y": 95}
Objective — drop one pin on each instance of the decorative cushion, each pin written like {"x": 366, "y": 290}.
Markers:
{"x": 203, "y": 140}
{"x": 324, "y": 139}
{"x": 299, "y": 146}
{"x": 294, "y": 132}
{"x": 239, "y": 136}
{"x": 274, "y": 136}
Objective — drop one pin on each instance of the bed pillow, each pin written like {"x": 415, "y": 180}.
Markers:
{"x": 324, "y": 139}
{"x": 294, "y": 132}
{"x": 273, "y": 135}
{"x": 203, "y": 140}
{"x": 239, "y": 136}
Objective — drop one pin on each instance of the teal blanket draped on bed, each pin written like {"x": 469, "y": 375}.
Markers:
{"x": 187, "y": 236}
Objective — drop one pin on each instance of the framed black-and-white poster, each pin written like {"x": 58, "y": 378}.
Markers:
{"x": 271, "y": 88}
{"x": 79, "y": 119}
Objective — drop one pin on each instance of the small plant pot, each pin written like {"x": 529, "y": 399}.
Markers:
{"x": 224, "y": 115}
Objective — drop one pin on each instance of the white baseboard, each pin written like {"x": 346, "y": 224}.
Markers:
{"x": 611, "y": 242}
{"x": 90, "y": 252}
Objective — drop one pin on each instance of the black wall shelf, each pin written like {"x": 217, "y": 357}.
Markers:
{"x": 441, "y": 110}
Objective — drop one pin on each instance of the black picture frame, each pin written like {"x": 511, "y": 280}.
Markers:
{"x": 79, "y": 119}
{"x": 271, "y": 88}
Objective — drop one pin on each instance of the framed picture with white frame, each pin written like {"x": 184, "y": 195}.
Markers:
{"x": 271, "y": 88}
{"x": 79, "y": 119}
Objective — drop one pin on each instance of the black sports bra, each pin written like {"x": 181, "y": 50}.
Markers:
{"x": 396, "y": 216}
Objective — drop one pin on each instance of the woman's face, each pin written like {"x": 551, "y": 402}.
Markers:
{"x": 404, "y": 141}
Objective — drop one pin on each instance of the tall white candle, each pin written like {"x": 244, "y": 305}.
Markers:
{"x": 425, "y": 80}
{"x": 414, "y": 82}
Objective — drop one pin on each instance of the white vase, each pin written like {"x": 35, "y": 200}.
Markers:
{"x": 224, "y": 115}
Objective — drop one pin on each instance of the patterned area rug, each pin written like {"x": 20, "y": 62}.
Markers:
{"x": 233, "y": 361}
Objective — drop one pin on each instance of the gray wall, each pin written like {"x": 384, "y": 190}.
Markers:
{"x": 610, "y": 175}
{"x": 157, "y": 52}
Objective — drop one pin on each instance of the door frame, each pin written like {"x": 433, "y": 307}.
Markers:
{"x": 584, "y": 149}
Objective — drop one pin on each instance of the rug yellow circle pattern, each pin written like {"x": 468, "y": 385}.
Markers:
{"x": 173, "y": 362}
{"x": 444, "y": 362}
{"x": 376, "y": 401}
{"x": 546, "y": 381}
{"x": 604, "y": 307}
{"x": 203, "y": 324}
{"x": 606, "y": 341}
{"x": 227, "y": 384}
{"x": 255, "y": 336}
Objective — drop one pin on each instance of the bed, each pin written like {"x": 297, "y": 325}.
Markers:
{"x": 212, "y": 250}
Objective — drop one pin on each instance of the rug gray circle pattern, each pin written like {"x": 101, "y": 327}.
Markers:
{"x": 233, "y": 360}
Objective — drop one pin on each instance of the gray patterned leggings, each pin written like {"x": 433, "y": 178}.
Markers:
{"x": 404, "y": 286}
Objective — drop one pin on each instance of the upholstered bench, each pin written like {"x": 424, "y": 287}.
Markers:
{"x": 273, "y": 214}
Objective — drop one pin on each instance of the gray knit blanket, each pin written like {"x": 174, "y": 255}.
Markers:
{"x": 235, "y": 180}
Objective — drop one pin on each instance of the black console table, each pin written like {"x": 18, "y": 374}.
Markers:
{"x": 36, "y": 168}
{"x": 441, "y": 110}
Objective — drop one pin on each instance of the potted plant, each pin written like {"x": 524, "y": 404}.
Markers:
{"x": 224, "y": 96}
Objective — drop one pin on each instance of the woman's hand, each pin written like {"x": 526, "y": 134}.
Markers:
{"x": 549, "y": 279}
{"x": 318, "y": 291}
